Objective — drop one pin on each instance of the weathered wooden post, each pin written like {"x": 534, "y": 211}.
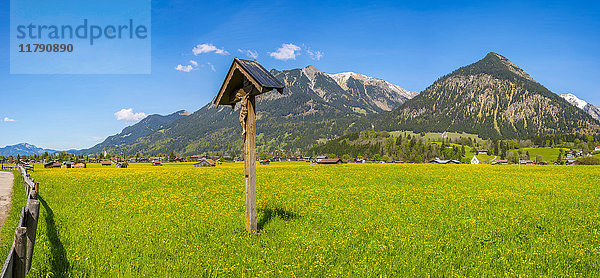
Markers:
{"x": 245, "y": 80}
{"x": 20, "y": 252}
{"x": 33, "y": 214}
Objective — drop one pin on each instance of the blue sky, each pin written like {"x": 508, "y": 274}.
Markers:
{"x": 409, "y": 43}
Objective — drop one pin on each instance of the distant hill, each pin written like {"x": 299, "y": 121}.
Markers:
{"x": 314, "y": 107}
{"x": 589, "y": 108}
{"x": 23, "y": 149}
{"x": 493, "y": 98}
{"x": 131, "y": 133}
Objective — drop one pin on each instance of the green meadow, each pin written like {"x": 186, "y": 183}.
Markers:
{"x": 360, "y": 220}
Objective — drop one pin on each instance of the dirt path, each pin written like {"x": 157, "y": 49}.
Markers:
{"x": 6, "y": 183}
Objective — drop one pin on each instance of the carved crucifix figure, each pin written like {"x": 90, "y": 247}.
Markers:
{"x": 242, "y": 97}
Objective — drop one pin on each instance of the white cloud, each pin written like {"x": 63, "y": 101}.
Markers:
{"x": 250, "y": 53}
{"x": 287, "y": 51}
{"x": 315, "y": 55}
{"x": 186, "y": 68}
{"x": 129, "y": 116}
{"x": 212, "y": 67}
{"x": 207, "y": 48}
{"x": 7, "y": 119}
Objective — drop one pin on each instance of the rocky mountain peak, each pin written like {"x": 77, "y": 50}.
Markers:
{"x": 310, "y": 72}
{"x": 494, "y": 65}
{"x": 510, "y": 65}
{"x": 342, "y": 78}
{"x": 493, "y": 98}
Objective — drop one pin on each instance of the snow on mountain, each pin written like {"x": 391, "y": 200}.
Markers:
{"x": 589, "y": 108}
{"x": 342, "y": 78}
{"x": 351, "y": 81}
{"x": 574, "y": 100}
{"x": 363, "y": 94}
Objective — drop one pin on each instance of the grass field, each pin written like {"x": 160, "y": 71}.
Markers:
{"x": 320, "y": 220}
{"x": 548, "y": 154}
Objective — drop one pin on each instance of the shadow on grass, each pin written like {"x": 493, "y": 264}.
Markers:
{"x": 269, "y": 213}
{"x": 58, "y": 260}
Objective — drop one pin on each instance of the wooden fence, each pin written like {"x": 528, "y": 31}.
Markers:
{"x": 18, "y": 262}
{"x": 9, "y": 167}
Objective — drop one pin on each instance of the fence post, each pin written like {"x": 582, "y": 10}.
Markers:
{"x": 33, "y": 214}
{"x": 19, "y": 270}
{"x": 33, "y": 194}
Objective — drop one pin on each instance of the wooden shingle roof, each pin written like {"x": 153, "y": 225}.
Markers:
{"x": 248, "y": 75}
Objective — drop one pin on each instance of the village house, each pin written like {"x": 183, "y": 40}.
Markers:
{"x": 569, "y": 154}
{"x": 179, "y": 159}
{"x": 122, "y": 165}
{"x": 80, "y": 165}
{"x": 330, "y": 161}
{"x": 196, "y": 157}
{"x": 475, "y": 160}
{"x": 320, "y": 157}
{"x": 277, "y": 158}
{"x": 205, "y": 162}
{"x": 53, "y": 165}
{"x": 265, "y": 162}
{"x": 439, "y": 161}
{"x": 156, "y": 163}
{"x": 484, "y": 152}
{"x": 157, "y": 158}
{"x": 143, "y": 159}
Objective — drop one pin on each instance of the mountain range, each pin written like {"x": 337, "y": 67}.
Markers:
{"x": 23, "y": 149}
{"x": 314, "y": 107}
{"x": 493, "y": 98}
{"x": 130, "y": 134}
